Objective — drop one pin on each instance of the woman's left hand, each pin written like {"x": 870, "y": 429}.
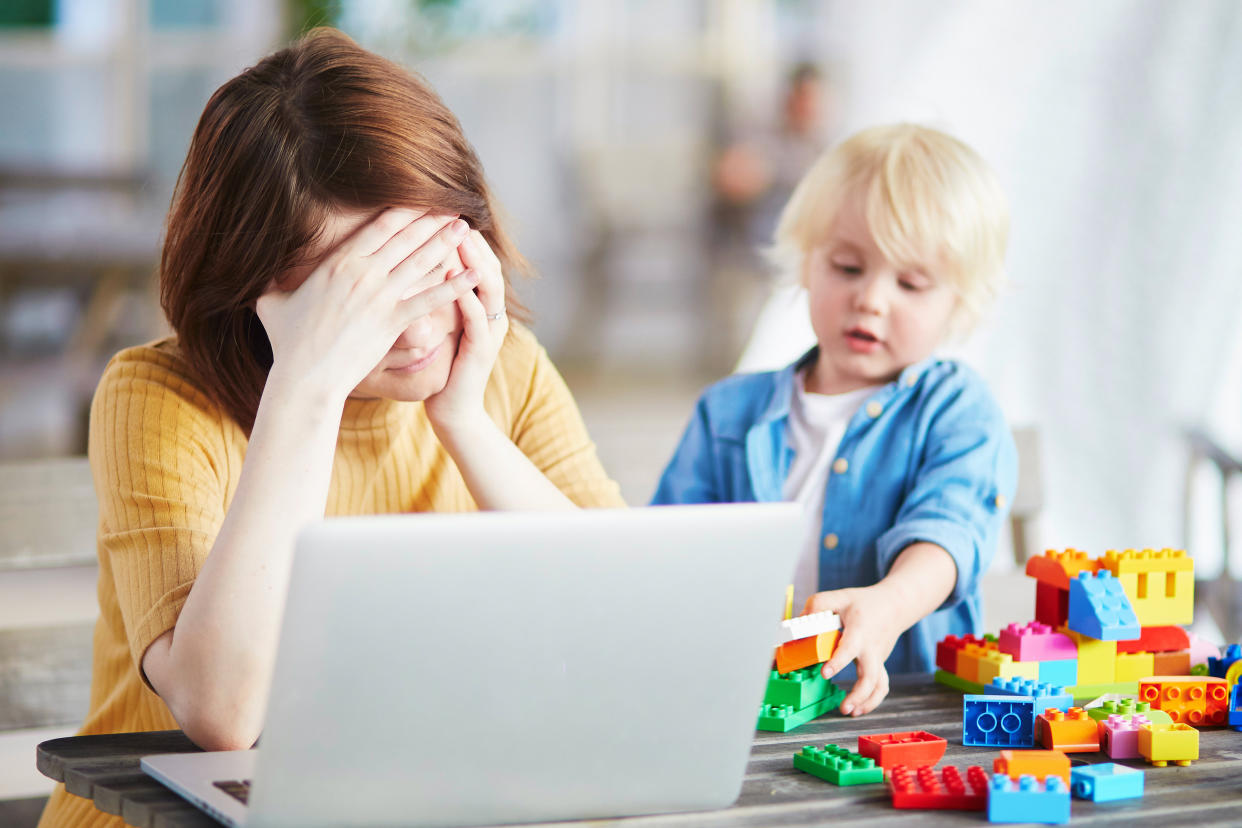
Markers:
{"x": 485, "y": 322}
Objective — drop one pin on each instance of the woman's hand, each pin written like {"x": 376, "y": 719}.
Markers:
{"x": 333, "y": 329}
{"x": 869, "y": 630}
{"x": 459, "y": 406}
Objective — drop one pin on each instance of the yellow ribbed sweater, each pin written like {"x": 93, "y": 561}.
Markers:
{"x": 166, "y": 462}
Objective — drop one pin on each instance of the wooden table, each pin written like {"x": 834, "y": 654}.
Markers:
{"x": 1209, "y": 792}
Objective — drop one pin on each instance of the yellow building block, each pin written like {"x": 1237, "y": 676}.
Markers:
{"x": 1135, "y": 666}
{"x": 1161, "y": 744}
{"x": 968, "y": 659}
{"x": 1160, "y": 584}
{"x": 995, "y": 664}
{"x": 1097, "y": 660}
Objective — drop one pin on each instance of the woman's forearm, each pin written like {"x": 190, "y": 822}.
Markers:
{"x": 220, "y": 658}
{"x": 497, "y": 473}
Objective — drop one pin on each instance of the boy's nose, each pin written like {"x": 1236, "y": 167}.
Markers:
{"x": 871, "y": 296}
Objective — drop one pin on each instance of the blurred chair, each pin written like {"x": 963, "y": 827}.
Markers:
{"x": 1009, "y": 596}
{"x": 48, "y": 572}
{"x": 1219, "y": 598}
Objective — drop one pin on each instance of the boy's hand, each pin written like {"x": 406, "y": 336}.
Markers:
{"x": 869, "y": 630}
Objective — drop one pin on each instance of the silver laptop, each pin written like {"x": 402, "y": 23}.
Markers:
{"x": 511, "y": 667}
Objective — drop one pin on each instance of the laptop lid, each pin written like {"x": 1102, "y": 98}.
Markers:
{"x": 507, "y": 667}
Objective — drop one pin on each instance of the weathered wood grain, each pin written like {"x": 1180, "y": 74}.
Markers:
{"x": 1209, "y": 792}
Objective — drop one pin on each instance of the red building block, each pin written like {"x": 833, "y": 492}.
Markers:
{"x": 1202, "y": 701}
{"x": 946, "y": 650}
{"x": 915, "y": 749}
{"x": 1036, "y": 642}
{"x": 921, "y": 789}
{"x": 1070, "y": 732}
{"x": 1157, "y": 640}
{"x": 1051, "y": 605}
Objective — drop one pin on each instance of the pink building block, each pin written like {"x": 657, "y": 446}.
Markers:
{"x": 1201, "y": 650}
{"x": 1119, "y": 735}
{"x": 1036, "y": 642}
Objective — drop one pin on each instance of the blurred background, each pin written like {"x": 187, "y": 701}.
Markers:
{"x": 642, "y": 149}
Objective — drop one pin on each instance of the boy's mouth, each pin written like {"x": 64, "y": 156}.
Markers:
{"x": 861, "y": 340}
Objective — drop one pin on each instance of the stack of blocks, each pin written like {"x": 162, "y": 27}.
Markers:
{"x": 797, "y": 690}
{"x": 1101, "y": 626}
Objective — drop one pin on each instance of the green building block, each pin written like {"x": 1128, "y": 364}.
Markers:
{"x": 958, "y": 683}
{"x": 783, "y": 718}
{"x": 837, "y": 765}
{"x": 1126, "y": 707}
{"x": 799, "y": 688}
{"x": 1094, "y": 691}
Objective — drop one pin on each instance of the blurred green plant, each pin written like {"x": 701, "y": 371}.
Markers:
{"x": 16, "y": 14}
{"x": 304, "y": 15}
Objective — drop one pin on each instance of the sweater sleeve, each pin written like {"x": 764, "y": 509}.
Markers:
{"x": 548, "y": 428}
{"x": 160, "y": 470}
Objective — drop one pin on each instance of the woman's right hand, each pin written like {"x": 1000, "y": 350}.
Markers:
{"x": 334, "y": 328}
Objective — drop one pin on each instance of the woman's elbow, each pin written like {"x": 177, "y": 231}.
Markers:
{"x": 217, "y": 730}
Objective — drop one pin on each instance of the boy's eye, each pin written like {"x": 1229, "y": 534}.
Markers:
{"x": 914, "y": 283}
{"x": 849, "y": 268}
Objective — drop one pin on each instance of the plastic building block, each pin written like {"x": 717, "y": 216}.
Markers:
{"x": 995, "y": 664}
{"x": 794, "y": 655}
{"x": 1071, "y": 731}
{"x": 1201, "y": 650}
{"x": 957, "y": 682}
{"x": 1106, "y": 782}
{"x": 837, "y": 765}
{"x": 1171, "y": 664}
{"x": 1160, "y": 639}
{"x": 1036, "y": 642}
{"x": 920, "y": 788}
{"x": 1051, "y": 605}
{"x": 968, "y": 658}
{"x": 1037, "y": 763}
{"x": 783, "y": 718}
{"x": 914, "y": 749}
{"x": 1063, "y": 672}
{"x": 799, "y": 688}
{"x": 1134, "y": 666}
{"x": 1057, "y": 569}
{"x": 1119, "y": 735}
{"x": 1219, "y": 667}
{"x": 1028, "y": 800}
{"x": 1126, "y": 707}
{"x": 1161, "y": 585}
{"x": 1200, "y": 701}
{"x": 947, "y": 647}
{"x": 1235, "y": 707}
{"x": 1161, "y": 744}
{"x": 1100, "y": 608}
{"x": 805, "y": 626}
{"x": 998, "y": 721}
{"x": 1045, "y": 695}
{"x": 1097, "y": 659}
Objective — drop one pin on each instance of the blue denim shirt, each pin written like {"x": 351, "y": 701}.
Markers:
{"x": 929, "y": 457}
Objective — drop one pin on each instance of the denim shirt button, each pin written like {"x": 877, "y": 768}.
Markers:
{"x": 874, "y": 409}
{"x": 841, "y": 465}
{"x": 831, "y": 541}
{"x": 1000, "y": 501}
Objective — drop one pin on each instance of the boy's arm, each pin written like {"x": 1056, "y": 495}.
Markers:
{"x": 690, "y": 476}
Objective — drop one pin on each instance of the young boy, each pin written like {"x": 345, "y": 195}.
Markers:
{"x": 903, "y": 461}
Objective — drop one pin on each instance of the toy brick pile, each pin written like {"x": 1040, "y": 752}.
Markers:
{"x": 797, "y": 690}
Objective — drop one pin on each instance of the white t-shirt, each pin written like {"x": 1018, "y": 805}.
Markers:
{"x": 817, "y": 422}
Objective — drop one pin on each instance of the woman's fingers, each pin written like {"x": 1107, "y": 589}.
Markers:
{"x": 376, "y": 233}
{"x": 477, "y": 255}
{"x": 444, "y": 293}
{"x": 407, "y": 272}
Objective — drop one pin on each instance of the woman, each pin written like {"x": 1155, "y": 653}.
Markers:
{"x": 338, "y": 284}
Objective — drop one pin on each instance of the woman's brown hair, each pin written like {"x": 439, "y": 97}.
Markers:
{"x": 318, "y": 127}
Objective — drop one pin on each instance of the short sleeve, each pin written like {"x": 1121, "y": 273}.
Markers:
{"x": 548, "y": 427}
{"x": 962, "y": 488}
{"x": 158, "y": 461}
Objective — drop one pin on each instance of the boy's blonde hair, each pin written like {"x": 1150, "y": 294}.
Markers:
{"x": 927, "y": 198}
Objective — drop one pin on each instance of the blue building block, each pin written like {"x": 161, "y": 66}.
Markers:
{"x": 1220, "y": 666}
{"x": 998, "y": 721}
{"x": 1100, "y": 608}
{"x": 1045, "y": 695}
{"x": 1106, "y": 782}
{"x": 1235, "y": 707}
{"x": 1062, "y": 671}
{"x": 1028, "y": 800}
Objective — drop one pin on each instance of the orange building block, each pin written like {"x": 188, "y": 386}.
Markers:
{"x": 1134, "y": 666}
{"x": 1072, "y": 731}
{"x": 1038, "y": 763}
{"x": 1160, "y": 584}
{"x": 1171, "y": 664}
{"x": 968, "y": 659}
{"x": 1202, "y": 701}
{"x": 1059, "y": 568}
{"x": 803, "y": 652}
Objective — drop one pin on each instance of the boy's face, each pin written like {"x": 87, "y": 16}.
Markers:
{"x": 871, "y": 317}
